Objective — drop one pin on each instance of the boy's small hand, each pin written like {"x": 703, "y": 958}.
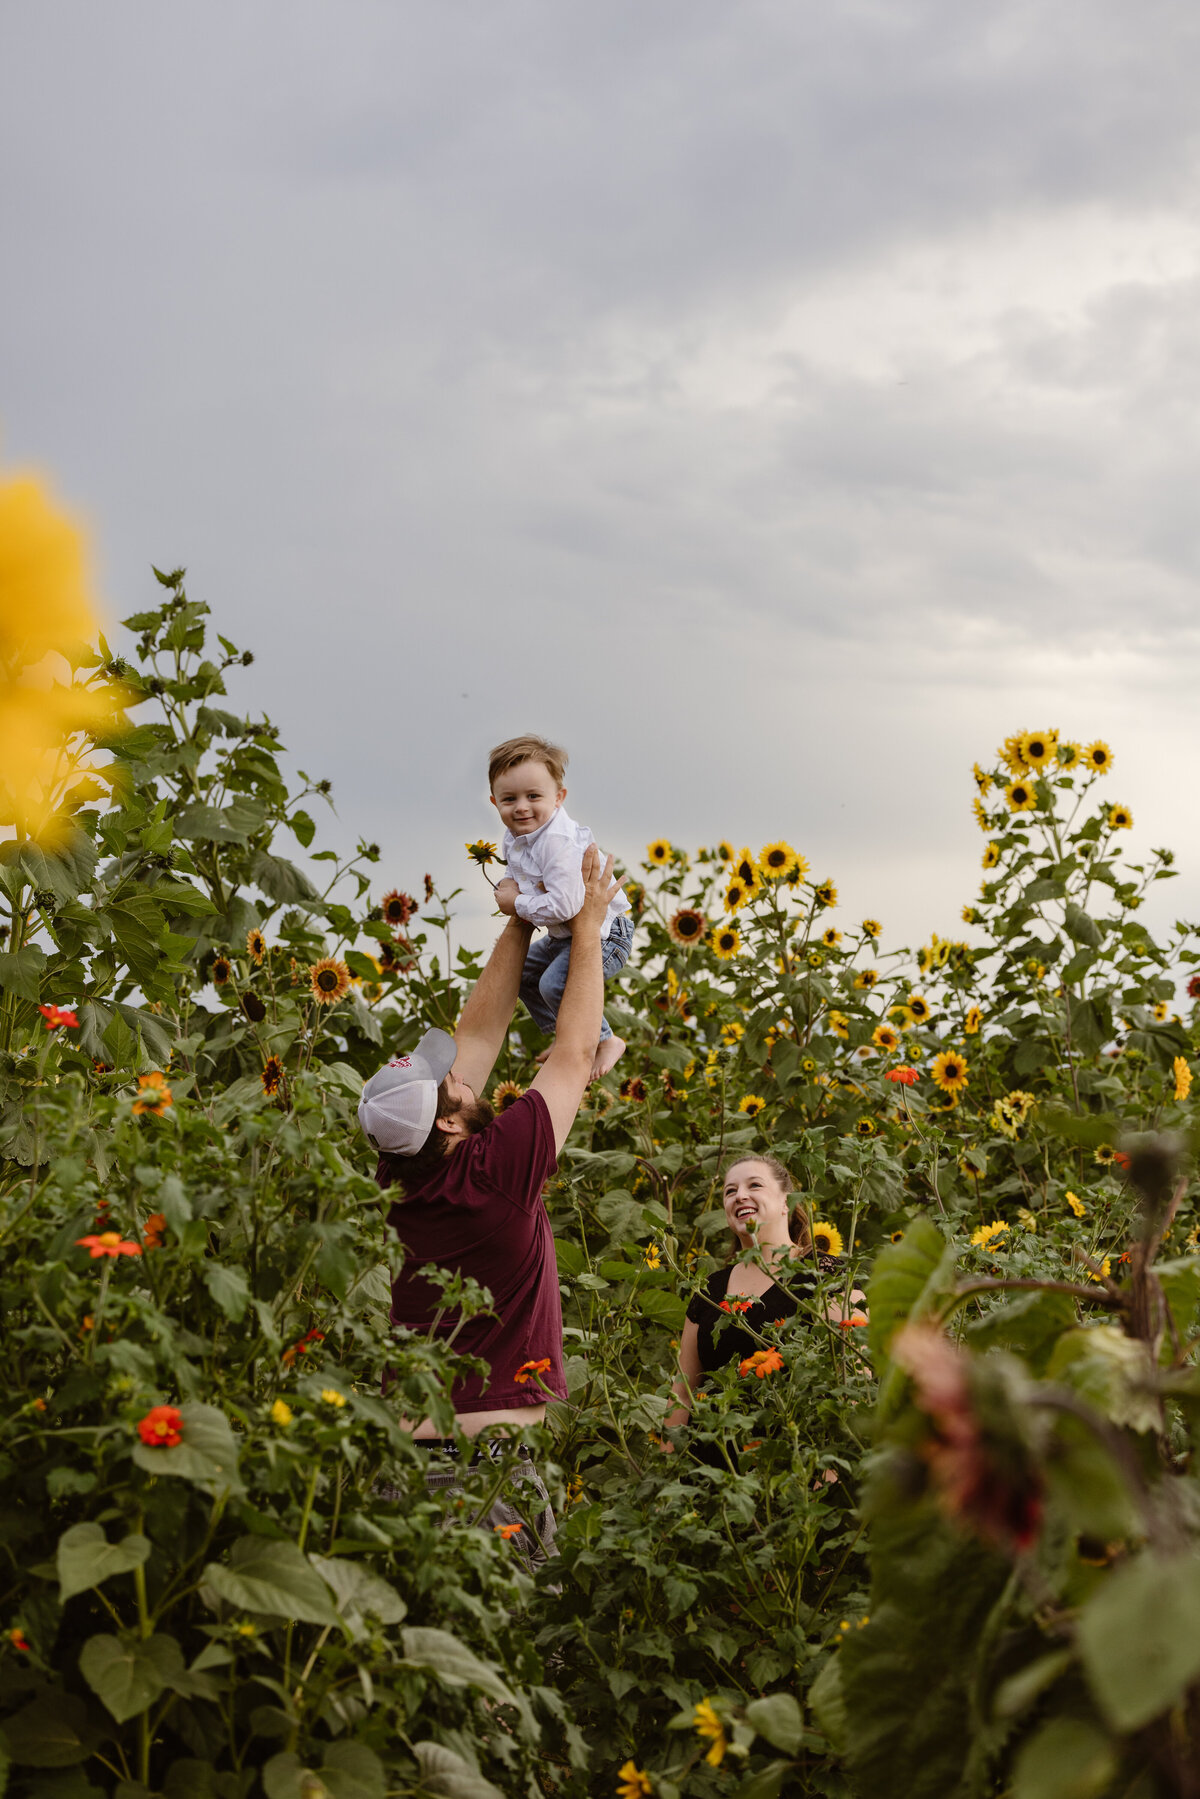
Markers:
{"x": 506, "y": 895}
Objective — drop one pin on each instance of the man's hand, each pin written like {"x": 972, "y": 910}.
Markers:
{"x": 598, "y": 890}
{"x": 506, "y": 895}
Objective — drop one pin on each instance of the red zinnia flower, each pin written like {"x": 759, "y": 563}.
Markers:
{"x": 1120, "y": 1158}
{"x": 108, "y": 1243}
{"x": 735, "y": 1305}
{"x": 18, "y": 1639}
{"x": 1193, "y": 987}
{"x": 527, "y": 1370}
{"x": 162, "y": 1427}
{"x": 303, "y": 1346}
{"x": 906, "y": 1076}
{"x": 56, "y": 1015}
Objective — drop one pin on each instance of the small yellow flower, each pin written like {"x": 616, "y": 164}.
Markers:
{"x": 725, "y": 943}
{"x": 831, "y": 937}
{"x": 1120, "y": 818}
{"x": 708, "y": 1725}
{"x": 632, "y": 1783}
{"x": 733, "y": 1032}
{"x": 827, "y": 1239}
{"x": 332, "y": 1397}
{"x": 1183, "y": 1077}
{"x": 1021, "y": 796}
{"x": 985, "y": 1235}
{"x": 775, "y": 859}
{"x": 839, "y": 1024}
{"x": 1105, "y": 1271}
{"x": 972, "y": 1021}
{"x": 1070, "y": 755}
{"x": 919, "y": 1008}
{"x": 825, "y": 893}
{"x": 1076, "y": 1204}
{"x": 885, "y": 1038}
{"x": 751, "y": 1104}
{"x": 1038, "y": 747}
{"x": 982, "y": 781}
{"x": 950, "y": 1072}
{"x": 871, "y": 927}
{"x": 281, "y": 1414}
{"x": 651, "y": 1257}
{"x": 481, "y": 852}
{"x": 1098, "y": 757}
{"x": 248, "y": 1630}
{"x": 737, "y": 895}
{"x": 866, "y": 978}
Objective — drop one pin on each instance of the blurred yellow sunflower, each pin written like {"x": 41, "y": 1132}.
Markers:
{"x": 885, "y": 1038}
{"x": 827, "y": 1239}
{"x": 919, "y": 1008}
{"x": 737, "y": 895}
{"x": 831, "y": 937}
{"x": 725, "y": 942}
{"x": 825, "y": 893}
{"x": 982, "y": 781}
{"x": 991, "y": 855}
{"x": 725, "y": 851}
{"x": 1021, "y": 795}
{"x": 864, "y": 1127}
{"x": 733, "y": 1032}
{"x": 774, "y": 860}
{"x": 866, "y": 978}
{"x": 329, "y": 980}
{"x": 751, "y": 1104}
{"x": 949, "y": 1071}
{"x": 985, "y": 1236}
{"x": 972, "y": 1021}
{"x": 871, "y": 927}
{"x": 1012, "y": 753}
{"x": 659, "y": 851}
{"x": 505, "y": 1093}
{"x": 1037, "y": 748}
{"x": 1120, "y": 818}
{"x": 1098, "y": 757}
{"x": 746, "y": 870}
{"x": 980, "y": 811}
{"x": 839, "y": 1024}
{"x": 1070, "y": 755}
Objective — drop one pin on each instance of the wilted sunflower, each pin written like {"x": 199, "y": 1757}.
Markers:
{"x": 972, "y": 1021}
{"x": 864, "y": 1127}
{"x": 827, "y": 1239}
{"x": 1098, "y": 757}
{"x": 775, "y": 859}
{"x": 866, "y": 978}
{"x": 221, "y": 970}
{"x": 329, "y": 980}
{"x": 1120, "y": 818}
{"x": 949, "y": 1071}
{"x": 831, "y": 937}
{"x": 1037, "y": 747}
{"x": 885, "y": 1038}
{"x": 825, "y": 893}
{"x": 687, "y": 926}
{"x": 253, "y": 1007}
{"x": 725, "y": 942}
{"x": 751, "y": 1104}
{"x": 504, "y": 1093}
{"x": 271, "y": 1076}
{"x": 256, "y": 945}
{"x": 871, "y": 927}
{"x": 659, "y": 851}
{"x": 1070, "y": 755}
{"x": 919, "y": 1008}
{"x": 737, "y": 895}
{"x": 398, "y": 908}
{"x": 1021, "y": 796}
{"x": 633, "y": 1087}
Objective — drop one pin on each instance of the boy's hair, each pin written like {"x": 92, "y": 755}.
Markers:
{"x": 527, "y": 749}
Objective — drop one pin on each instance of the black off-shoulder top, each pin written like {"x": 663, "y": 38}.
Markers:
{"x": 722, "y": 1335}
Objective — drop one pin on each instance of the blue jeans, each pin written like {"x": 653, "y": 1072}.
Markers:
{"x": 548, "y": 961}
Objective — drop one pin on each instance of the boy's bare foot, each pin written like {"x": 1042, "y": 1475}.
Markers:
{"x": 543, "y": 1055}
{"x": 608, "y": 1054}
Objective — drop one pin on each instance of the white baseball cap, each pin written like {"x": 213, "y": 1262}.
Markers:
{"x": 399, "y": 1104}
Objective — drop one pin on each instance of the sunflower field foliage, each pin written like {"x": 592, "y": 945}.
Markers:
{"x": 946, "y": 1545}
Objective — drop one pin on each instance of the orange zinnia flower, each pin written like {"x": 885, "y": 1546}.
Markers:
{"x": 154, "y": 1095}
{"x": 507, "y": 1530}
{"x": 761, "y": 1363}
{"x": 905, "y": 1076}
{"x": 302, "y": 1347}
{"x": 527, "y": 1370}
{"x": 154, "y": 1230}
{"x": 735, "y": 1305}
{"x": 55, "y": 1016}
{"x": 162, "y": 1427}
{"x": 108, "y": 1243}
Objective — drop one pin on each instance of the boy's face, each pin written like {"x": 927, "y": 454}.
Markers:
{"x": 526, "y": 796}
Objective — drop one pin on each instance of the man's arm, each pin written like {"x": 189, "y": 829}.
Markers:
{"x": 488, "y": 1013}
{"x": 563, "y": 1078}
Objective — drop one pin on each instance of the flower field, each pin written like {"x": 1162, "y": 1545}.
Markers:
{"x": 951, "y": 1545}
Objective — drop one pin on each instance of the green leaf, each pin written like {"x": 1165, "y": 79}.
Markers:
{"x": 50, "y": 1732}
{"x": 286, "y": 1777}
{"x": 86, "y": 1558}
{"x": 445, "y": 1773}
{"x": 909, "y": 1280}
{"x": 828, "y": 1702}
{"x": 665, "y": 1308}
{"x": 1069, "y": 1758}
{"x": 1138, "y": 1638}
{"x": 442, "y": 1654}
{"x": 359, "y": 1595}
{"x": 1019, "y": 1691}
{"x": 303, "y": 827}
{"x": 352, "y": 1771}
{"x": 778, "y": 1718}
{"x": 281, "y": 880}
{"x": 128, "y": 1676}
{"x": 221, "y": 824}
{"x": 264, "y": 1575}
{"x": 767, "y": 1783}
{"x": 1111, "y": 1370}
{"x": 229, "y": 1289}
{"x": 1030, "y": 1324}
{"x": 21, "y": 972}
{"x": 570, "y": 1257}
{"x": 1079, "y": 927}
{"x": 207, "y": 1455}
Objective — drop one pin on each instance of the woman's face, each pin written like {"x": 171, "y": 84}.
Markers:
{"x": 755, "y": 1204}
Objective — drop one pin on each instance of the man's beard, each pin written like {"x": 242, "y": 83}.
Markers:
{"x": 475, "y": 1118}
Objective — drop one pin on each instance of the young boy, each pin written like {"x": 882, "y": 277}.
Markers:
{"x": 543, "y": 848}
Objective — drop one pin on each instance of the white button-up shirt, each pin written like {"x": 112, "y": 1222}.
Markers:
{"x": 546, "y": 865}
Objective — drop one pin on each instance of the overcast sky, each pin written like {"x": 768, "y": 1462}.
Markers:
{"x": 780, "y": 403}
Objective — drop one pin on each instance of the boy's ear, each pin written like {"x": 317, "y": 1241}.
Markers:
{"x": 562, "y": 794}
{"x": 492, "y": 797}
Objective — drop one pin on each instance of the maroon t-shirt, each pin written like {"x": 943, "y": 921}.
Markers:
{"x": 482, "y": 1215}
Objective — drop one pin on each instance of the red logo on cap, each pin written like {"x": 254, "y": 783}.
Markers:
{"x": 400, "y": 1062}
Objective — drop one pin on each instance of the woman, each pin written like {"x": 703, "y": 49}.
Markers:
{"x": 726, "y": 1320}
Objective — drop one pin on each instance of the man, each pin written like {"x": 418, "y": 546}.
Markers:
{"x": 472, "y": 1185}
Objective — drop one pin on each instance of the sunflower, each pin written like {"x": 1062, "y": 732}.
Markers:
{"x": 746, "y": 870}
{"x": 271, "y": 1076}
{"x": 984, "y": 1236}
{"x": 941, "y": 1101}
{"x": 724, "y": 851}
{"x": 256, "y": 945}
{"x": 808, "y": 1065}
{"x": 253, "y": 1007}
{"x": 397, "y": 908}
{"x": 1120, "y": 818}
{"x": 329, "y": 980}
{"x": 481, "y": 852}
{"x": 633, "y": 1087}
{"x": 1038, "y": 747}
{"x": 1076, "y": 1204}
{"x": 504, "y": 1093}
{"x": 825, "y": 893}
{"x": 1012, "y": 753}
{"x": 1160, "y": 1011}
{"x": 816, "y": 958}
{"x": 864, "y": 1127}
{"x": 221, "y": 971}
{"x": 982, "y": 781}
{"x": 980, "y": 811}
{"x": 774, "y": 860}
{"x": 973, "y": 1164}
{"x": 991, "y": 855}
{"x": 737, "y": 895}
{"x": 839, "y": 1024}
{"x": 725, "y": 942}
{"x": 949, "y": 1071}
{"x": 1070, "y": 755}
{"x": 154, "y": 1095}
{"x": 1182, "y": 1076}
{"x": 831, "y": 937}
{"x": 1021, "y": 796}
{"x": 659, "y": 851}
{"x": 751, "y": 1104}
{"x": 1105, "y": 1155}
{"x": 1098, "y": 757}
{"x": 970, "y": 915}
{"x": 687, "y": 926}
{"x": 871, "y": 927}
{"x": 972, "y": 1021}
{"x": 866, "y": 978}
{"x": 884, "y": 1037}
{"x": 827, "y": 1239}
{"x": 919, "y": 1008}
{"x": 733, "y": 1032}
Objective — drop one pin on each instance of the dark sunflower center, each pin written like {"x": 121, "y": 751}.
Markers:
{"x": 327, "y": 980}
